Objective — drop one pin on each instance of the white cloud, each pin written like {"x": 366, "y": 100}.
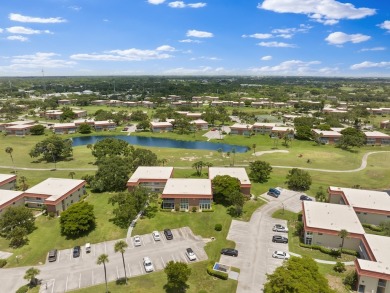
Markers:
{"x": 258, "y": 36}
{"x": 197, "y": 5}
{"x": 368, "y": 64}
{"x": 127, "y": 55}
{"x": 339, "y": 38}
{"x": 190, "y": 41}
{"x": 372, "y": 49}
{"x": 205, "y": 58}
{"x": 207, "y": 70}
{"x": 294, "y": 67}
{"x": 1, "y": 30}
{"x": 39, "y": 60}
{"x": 75, "y": 8}
{"x": 156, "y": 2}
{"x": 266, "y": 58}
{"x": 385, "y": 25}
{"x": 181, "y": 4}
{"x": 23, "y": 18}
{"x": 26, "y": 31}
{"x": 17, "y": 38}
{"x": 276, "y": 45}
{"x": 328, "y": 12}
{"x": 199, "y": 34}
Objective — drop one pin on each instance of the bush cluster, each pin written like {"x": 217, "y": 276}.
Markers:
{"x": 373, "y": 227}
{"x": 218, "y": 227}
{"x": 333, "y": 252}
{"x": 217, "y": 274}
{"x": 3, "y": 262}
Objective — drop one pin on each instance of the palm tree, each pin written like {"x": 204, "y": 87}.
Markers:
{"x": 254, "y": 148}
{"x": 121, "y": 246}
{"x": 220, "y": 151}
{"x": 234, "y": 154}
{"x": 9, "y": 151}
{"x": 343, "y": 234}
{"x": 30, "y": 275}
{"x": 163, "y": 161}
{"x": 71, "y": 174}
{"x": 23, "y": 181}
{"x": 103, "y": 259}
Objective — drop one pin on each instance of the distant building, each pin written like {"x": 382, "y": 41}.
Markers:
{"x": 10, "y": 198}
{"x": 239, "y": 173}
{"x": 241, "y": 129}
{"x": 7, "y": 181}
{"x": 161, "y": 126}
{"x": 153, "y": 178}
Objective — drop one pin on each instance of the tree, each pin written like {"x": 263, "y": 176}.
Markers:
{"x": 178, "y": 274}
{"x": 254, "y": 148}
{"x": 351, "y": 137}
{"x": 103, "y": 259}
{"x": 303, "y": 132}
{"x": 121, "y": 246}
{"x": 143, "y": 125}
{"x": 10, "y": 150}
{"x": 343, "y": 234}
{"x": 139, "y": 115}
{"x": 16, "y": 223}
{"x": 109, "y": 147}
{"x": 142, "y": 157}
{"x": 67, "y": 114}
{"x": 31, "y": 274}
{"x": 52, "y": 149}
{"x": 198, "y": 166}
{"x": 163, "y": 161}
{"x": 234, "y": 154}
{"x": 260, "y": 171}
{"x": 237, "y": 200}
{"x": 85, "y": 128}
{"x": 298, "y": 275}
{"x": 23, "y": 181}
{"x": 321, "y": 195}
{"x": 37, "y": 129}
{"x": 71, "y": 174}
{"x": 182, "y": 124}
{"x": 78, "y": 220}
{"x": 223, "y": 187}
{"x": 298, "y": 179}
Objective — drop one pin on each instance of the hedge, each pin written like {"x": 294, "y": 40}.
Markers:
{"x": 373, "y": 227}
{"x": 3, "y": 262}
{"x": 218, "y": 274}
{"x": 333, "y": 252}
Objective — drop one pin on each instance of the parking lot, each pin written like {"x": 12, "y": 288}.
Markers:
{"x": 68, "y": 273}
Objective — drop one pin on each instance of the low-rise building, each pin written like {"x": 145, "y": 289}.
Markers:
{"x": 104, "y": 125}
{"x": 56, "y": 193}
{"x": 377, "y": 138}
{"x": 371, "y": 207}
{"x": 263, "y": 128}
{"x": 64, "y": 128}
{"x": 200, "y": 124}
{"x": 161, "y": 126}
{"x": 239, "y": 173}
{"x": 18, "y": 130}
{"x": 280, "y": 131}
{"x": 327, "y": 136}
{"x": 241, "y": 129}
{"x": 10, "y": 198}
{"x": 385, "y": 124}
{"x": 153, "y": 178}
{"x": 7, "y": 181}
{"x": 185, "y": 194}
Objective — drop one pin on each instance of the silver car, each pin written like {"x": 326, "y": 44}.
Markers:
{"x": 279, "y": 228}
{"x": 137, "y": 240}
{"x": 148, "y": 264}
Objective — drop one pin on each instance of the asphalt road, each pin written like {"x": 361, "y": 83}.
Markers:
{"x": 68, "y": 273}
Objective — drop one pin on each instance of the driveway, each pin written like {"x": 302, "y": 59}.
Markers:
{"x": 68, "y": 273}
{"x": 253, "y": 241}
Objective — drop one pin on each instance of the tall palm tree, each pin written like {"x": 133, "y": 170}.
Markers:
{"x": 254, "y": 148}
{"x": 121, "y": 246}
{"x": 71, "y": 174}
{"x": 234, "y": 154}
{"x": 23, "y": 181}
{"x": 163, "y": 161}
{"x": 103, "y": 259}
{"x": 9, "y": 151}
{"x": 343, "y": 234}
{"x": 30, "y": 275}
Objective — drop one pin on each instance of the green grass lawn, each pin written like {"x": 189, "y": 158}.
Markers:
{"x": 47, "y": 235}
{"x": 154, "y": 282}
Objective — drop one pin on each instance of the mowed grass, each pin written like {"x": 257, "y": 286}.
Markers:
{"x": 47, "y": 235}
{"x": 154, "y": 282}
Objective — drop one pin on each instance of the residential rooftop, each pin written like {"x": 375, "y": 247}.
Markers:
{"x": 5, "y": 177}
{"x": 379, "y": 246}
{"x": 178, "y": 186}
{"x": 332, "y": 217}
{"x": 239, "y": 173}
{"x": 146, "y": 172}
{"x": 7, "y": 195}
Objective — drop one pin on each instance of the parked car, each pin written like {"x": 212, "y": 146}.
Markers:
{"x": 281, "y": 255}
{"x": 279, "y": 239}
{"x": 279, "y": 228}
{"x": 137, "y": 240}
{"x": 156, "y": 236}
{"x": 274, "y": 192}
{"x": 76, "y": 251}
{"x": 190, "y": 254}
{"x": 229, "y": 251}
{"x": 148, "y": 264}
{"x": 305, "y": 197}
{"x": 52, "y": 255}
{"x": 168, "y": 234}
{"x": 88, "y": 247}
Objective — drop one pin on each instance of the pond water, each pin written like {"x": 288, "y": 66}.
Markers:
{"x": 163, "y": 143}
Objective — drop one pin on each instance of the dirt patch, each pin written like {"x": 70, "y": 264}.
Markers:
{"x": 190, "y": 159}
{"x": 269, "y": 152}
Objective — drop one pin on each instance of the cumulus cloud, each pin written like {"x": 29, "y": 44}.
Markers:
{"x": 199, "y": 34}
{"x": 276, "y": 45}
{"x": 181, "y": 4}
{"x": 372, "y": 49}
{"x": 368, "y": 64}
{"x": 339, "y": 38}
{"x": 156, "y": 2}
{"x": 205, "y": 58}
{"x": 24, "y": 18}
{"x": 293, "y": 67}
{"x": 266, "y": 58}
{"x": 17, "y": 38}
{"x": 207, "y": 70}
{"x": 190, "y": 41}
{"x": 26, "y": 31}
{"x": 258, "y": 36}
{"x": 39, "y": 60}
{"x": 1, "y": 30}
{"x": 127, "y": 55}
{"x": 385, "y": 25}
{"x": 328, "y": 12}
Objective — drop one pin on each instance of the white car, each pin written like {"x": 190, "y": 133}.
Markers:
{"x": 156, "y": 236}
{"x": 190, "y": 254}
{"x": 137, "y": 240}
{"x": 281, "y": 255}
{"x": 279, "y": 228}
{"x": 148, "y": 265}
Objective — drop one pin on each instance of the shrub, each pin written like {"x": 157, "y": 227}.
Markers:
{"x": 350, "y": 280}
{"x": 22, "y": 289}
{"x": 194, "y": 209}
{"x": 218, "y": 227}
{"x": 339, "y": 267}
{"x": 373, "y": 227}
{"x": 220, "y": 275}
{"x": 3, "y": 262}
{"x": 177, "y": 208}
{"x": 208, "y": 211}
{"x": 333, "y": 252}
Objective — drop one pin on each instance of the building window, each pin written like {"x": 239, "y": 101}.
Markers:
{"x": 320, "y": 234}
{"x": 184, "y": 204}
{"x": 168, "y": 203}
{"x": 205, "y": 204}
{"x": 308, "y": 241}
{"x": 381, "y": 286}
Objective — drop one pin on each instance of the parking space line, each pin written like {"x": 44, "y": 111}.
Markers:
{"x": 70, "y": 253}
{"x": 163, "y": 262}
{"x": 185, "y": 257}
{"x": 80, "y": 281}
{"x": 128, "y": 266}
{"x": 59, "y": 256}
{"x": 92, "y": 278}
{"x": 140, "y": 265}
{"x": 52, "y": 288}
{"x": 117, "y": 272}
{"x": 105, "y": 247}
{"x": 173, "y": 257}
{"x": 66, "y": 284}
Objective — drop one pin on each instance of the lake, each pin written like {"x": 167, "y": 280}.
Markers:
{"x": 162, "y": 142}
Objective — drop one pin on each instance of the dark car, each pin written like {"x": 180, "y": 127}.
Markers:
{"x": 279, "y": 239}
{"x": 305, "y": 197}
{"x": 168, "y": 234}
{"x": 274, "y": 192}
{"x": 76, "y": 251}
{"x": 229, "y": 251}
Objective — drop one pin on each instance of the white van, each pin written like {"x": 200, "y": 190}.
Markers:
{"x": 88, "y": 247}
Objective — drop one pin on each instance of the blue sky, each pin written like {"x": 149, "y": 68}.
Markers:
{"x": 211, "y": 37}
